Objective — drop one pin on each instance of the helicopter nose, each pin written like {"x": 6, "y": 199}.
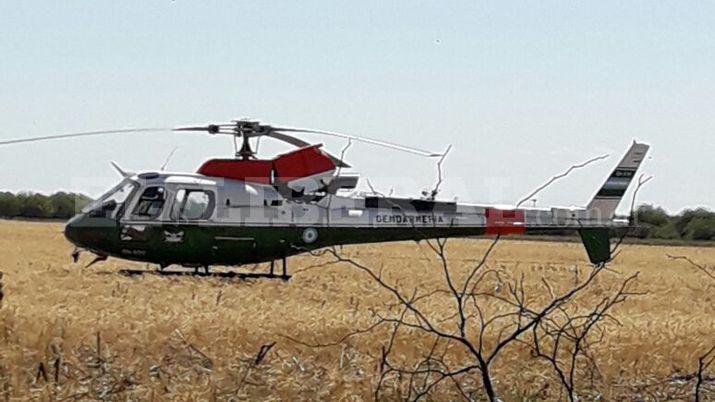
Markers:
{"x": 72, "y": 230}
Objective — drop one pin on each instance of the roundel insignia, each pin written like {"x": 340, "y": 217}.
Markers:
{"x": 310, "y": 235}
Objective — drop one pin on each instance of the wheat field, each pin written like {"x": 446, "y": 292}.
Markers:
{"x": 74, "y": 333}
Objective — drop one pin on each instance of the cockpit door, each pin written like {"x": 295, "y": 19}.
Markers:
{"x": 188, "y": 236}
{"x": 140, "y": 226}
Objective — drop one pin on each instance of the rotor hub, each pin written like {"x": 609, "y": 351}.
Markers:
{"x": 246, "y": 129}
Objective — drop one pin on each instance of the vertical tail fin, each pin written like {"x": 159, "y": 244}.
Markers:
{"x": 605, "y": 202}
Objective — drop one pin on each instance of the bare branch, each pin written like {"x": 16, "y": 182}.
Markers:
{"x": 480, "y": 264}
{"x": 560, "y": 176}
{"x": 568, "y": 337}
{"x": 703, "y": 362}
{"x": 435, "y": 190}
{"x": 480, "y": 322}
{"x": 709, "y": 272}
{"x": 642, "y": 180}
{"x": 338, "y": 341}
{"x": 708, "y": 357}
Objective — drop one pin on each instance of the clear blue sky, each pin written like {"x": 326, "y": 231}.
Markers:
{"x": 522, "y": 90}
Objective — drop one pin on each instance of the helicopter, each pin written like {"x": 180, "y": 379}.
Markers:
{"x": 246, "y": 210}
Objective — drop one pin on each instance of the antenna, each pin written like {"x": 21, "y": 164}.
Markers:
{"x": 168, "y": 158}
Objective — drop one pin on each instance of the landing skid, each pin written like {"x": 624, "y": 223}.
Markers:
{"x": 206, "y": 272}
{"x": 229, "y": 274}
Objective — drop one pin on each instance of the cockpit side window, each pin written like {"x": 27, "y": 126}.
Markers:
{"x": 150, "y": 203}
{"x": 193, "y": 204}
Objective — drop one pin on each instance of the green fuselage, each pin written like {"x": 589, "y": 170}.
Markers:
{"x": 203, "y": 244}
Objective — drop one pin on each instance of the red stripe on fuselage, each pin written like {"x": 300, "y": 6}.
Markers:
{"x": 505, "y": 221}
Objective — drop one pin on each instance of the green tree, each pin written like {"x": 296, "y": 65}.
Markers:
{"x": 654, "y": 222}
{"x": 34, "y": 206}
{"x": 684, "y": 218}
{"x": 9, "y": 205}
{"x": 666, "y": 231}
{"x": 60, "y": 205}
{"x": 701, "y": 227}
{"x": 653, "y": 216}
{"x": 64, "y": 205}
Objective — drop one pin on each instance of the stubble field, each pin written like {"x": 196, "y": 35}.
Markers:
{"x": 69, "y": 333}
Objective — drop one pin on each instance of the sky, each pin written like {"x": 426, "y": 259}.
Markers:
{"x": 521, "y": 90}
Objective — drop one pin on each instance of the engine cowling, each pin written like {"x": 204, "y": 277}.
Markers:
{"x": 303, "y": 170}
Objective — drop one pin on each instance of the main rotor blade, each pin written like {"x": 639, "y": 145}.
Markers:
{"x": 362, "y": 139}
{"x": 211, "y": 128}
{"x": 300, "y": 144}
{"x": 288, "y": 138}
{"x": 81, "y": 134}
{"x": 192, "y": 128}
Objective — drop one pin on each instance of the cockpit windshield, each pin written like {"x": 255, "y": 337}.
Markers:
{"x": 112, "y": 200}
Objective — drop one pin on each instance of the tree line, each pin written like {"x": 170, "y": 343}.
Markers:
{"x": 60, "y": 205}
{"x": 690, "y": 224}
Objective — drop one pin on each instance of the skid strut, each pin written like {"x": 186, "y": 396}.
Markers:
{"x": 284, "y": 269}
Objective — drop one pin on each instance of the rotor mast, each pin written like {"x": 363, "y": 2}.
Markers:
{"x": 246, "y": 129}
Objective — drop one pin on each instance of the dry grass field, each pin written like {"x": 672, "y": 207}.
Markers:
{"x": 69, "y": 333}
